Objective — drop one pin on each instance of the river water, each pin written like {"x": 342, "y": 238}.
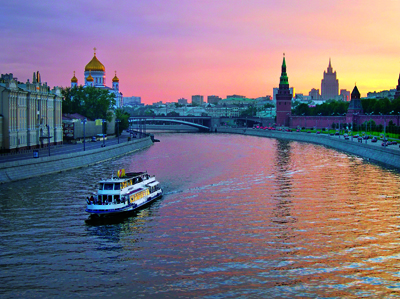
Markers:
{"x": 242, "y": 217}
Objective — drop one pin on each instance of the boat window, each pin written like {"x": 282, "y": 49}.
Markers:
{"x": 101, "y": 185}
{"x": 109, "y": 198}
{"x": 108, "y": 186}
{"x": 116, "y": 199}
{"x": 117, "y": 186}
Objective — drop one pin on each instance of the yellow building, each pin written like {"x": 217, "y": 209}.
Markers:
{"x": 30, "y": 114}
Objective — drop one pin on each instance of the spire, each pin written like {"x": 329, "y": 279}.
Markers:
{"x": 284, "y": 80}
{"x": 330, "y": 67}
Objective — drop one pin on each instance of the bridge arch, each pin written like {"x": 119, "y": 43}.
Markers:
{"x": 164, "y": 119}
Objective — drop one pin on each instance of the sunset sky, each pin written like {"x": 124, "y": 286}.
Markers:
{"x": 163, "y": 50}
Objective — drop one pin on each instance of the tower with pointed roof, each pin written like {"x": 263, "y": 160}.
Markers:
{"x": 115, "y": 82}
{"x": 355, "y": 105}
{"x": 74, "y": 81}
{"x": 329, "y": 84}
{"x": 283, "y": 99}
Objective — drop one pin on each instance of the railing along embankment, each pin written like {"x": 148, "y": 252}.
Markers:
{"x": 374, "y": 152}
{"x": 24, "y": 169}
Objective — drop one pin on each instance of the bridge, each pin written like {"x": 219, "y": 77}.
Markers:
{"x": 202, "y": 123}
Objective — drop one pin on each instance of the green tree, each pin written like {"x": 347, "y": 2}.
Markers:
{"x": 123, "y": 116}
{"x": 172, "y": 113}
{"x": 94, "y": 103}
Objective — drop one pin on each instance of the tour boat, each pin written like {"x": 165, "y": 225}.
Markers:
{"x": 126, "y": 192}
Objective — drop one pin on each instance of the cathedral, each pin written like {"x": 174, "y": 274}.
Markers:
{"x": 95, "y": 76}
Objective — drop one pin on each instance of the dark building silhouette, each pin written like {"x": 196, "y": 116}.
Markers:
{"x": 283, "y": 99}
{"x": 355, "y": 106}
{"x": 329, "y": 84}
{"x": 397, "y": 94}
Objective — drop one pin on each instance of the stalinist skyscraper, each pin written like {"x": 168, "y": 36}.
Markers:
{"x": 329, "y": 85}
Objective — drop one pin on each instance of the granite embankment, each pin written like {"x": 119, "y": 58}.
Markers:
{"x": 389, "y": 156}
{"x": 23, "y": 169}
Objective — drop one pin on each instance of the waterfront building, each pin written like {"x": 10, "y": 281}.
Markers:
{"x": 329, "y": 84}
{"x": 389, "y": 94}
{"x": 314, "y": 94}
{"x": 182, "y": 101}
{"x": 225, "y": 110}
{"x": 197, "y": 100}
{"x": 132, "y": 101}
{"x": 213, "y": 99}
{"x": 283, "y": 99}
{"x": 345, "y": 95}
{"x": 30, "y": 114}
{"x": 243, "y": 101}
{"x": 95, "y": 76}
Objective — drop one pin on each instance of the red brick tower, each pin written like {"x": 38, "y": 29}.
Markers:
{"x": 283, "y": 99}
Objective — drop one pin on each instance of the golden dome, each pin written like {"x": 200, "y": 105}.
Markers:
{"x": 115, "y": 79}
{"x": 95, "y": 64}
{"x": 74, "y": 79}
{"x": 90, "y": 78}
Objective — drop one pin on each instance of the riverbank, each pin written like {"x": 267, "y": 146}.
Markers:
{"x": 24, "y": 169}
{"x": 371, "y": 151}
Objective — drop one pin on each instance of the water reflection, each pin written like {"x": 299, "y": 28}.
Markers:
{"x": 241, "y": 217}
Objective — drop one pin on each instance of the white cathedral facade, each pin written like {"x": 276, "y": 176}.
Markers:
{"x": 95, "y": 76}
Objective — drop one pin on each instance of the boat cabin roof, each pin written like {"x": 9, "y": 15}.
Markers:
{"x": 128, "y": 176}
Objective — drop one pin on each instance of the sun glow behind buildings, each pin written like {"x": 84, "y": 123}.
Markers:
{"x": 165, "y": 50}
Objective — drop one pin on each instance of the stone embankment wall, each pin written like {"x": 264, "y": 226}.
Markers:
{"x": 388, "y": 156}
{"x": 23, "y": 169}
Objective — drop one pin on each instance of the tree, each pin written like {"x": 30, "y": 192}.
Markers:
{"x": 123, "y": 116}
{"x": 172, "y": 114}
{"x": 94, "y": 103}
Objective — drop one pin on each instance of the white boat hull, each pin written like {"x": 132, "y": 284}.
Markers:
{"x": 114, "y": 209}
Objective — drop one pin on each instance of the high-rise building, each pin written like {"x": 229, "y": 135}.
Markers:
{"x": 213, "y": 99}
{"x": 283, "y": 99}
{"x": 133, "y": 101}
{"x": 182, "y": 101}
{"x": 345, "y": 95}
{"x": 329, "y": 84}
{"x": 314, "y": 94}
{"x": 197, "y": 100}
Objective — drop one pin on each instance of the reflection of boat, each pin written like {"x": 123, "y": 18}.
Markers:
{"x": 124, "y": 193}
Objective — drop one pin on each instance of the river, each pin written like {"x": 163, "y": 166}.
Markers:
{"x": 242, "y": 217}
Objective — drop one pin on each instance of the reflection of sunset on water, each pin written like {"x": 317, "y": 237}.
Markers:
{"x": 241, "y": 217}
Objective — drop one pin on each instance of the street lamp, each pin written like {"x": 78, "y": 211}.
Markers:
{"x": 104, "y": 138}
{"x": 48, "y": 137}
{"x": 118, "y": 121}
{"x": 84, "y": 136}
{"x": 316, "y": 122}
{"x": 304, "y": 121}
{"x": 384, "y": 129}
{"x": 130, "y": 128}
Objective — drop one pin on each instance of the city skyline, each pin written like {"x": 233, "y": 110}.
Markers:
{"x": 166, "y": 50}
